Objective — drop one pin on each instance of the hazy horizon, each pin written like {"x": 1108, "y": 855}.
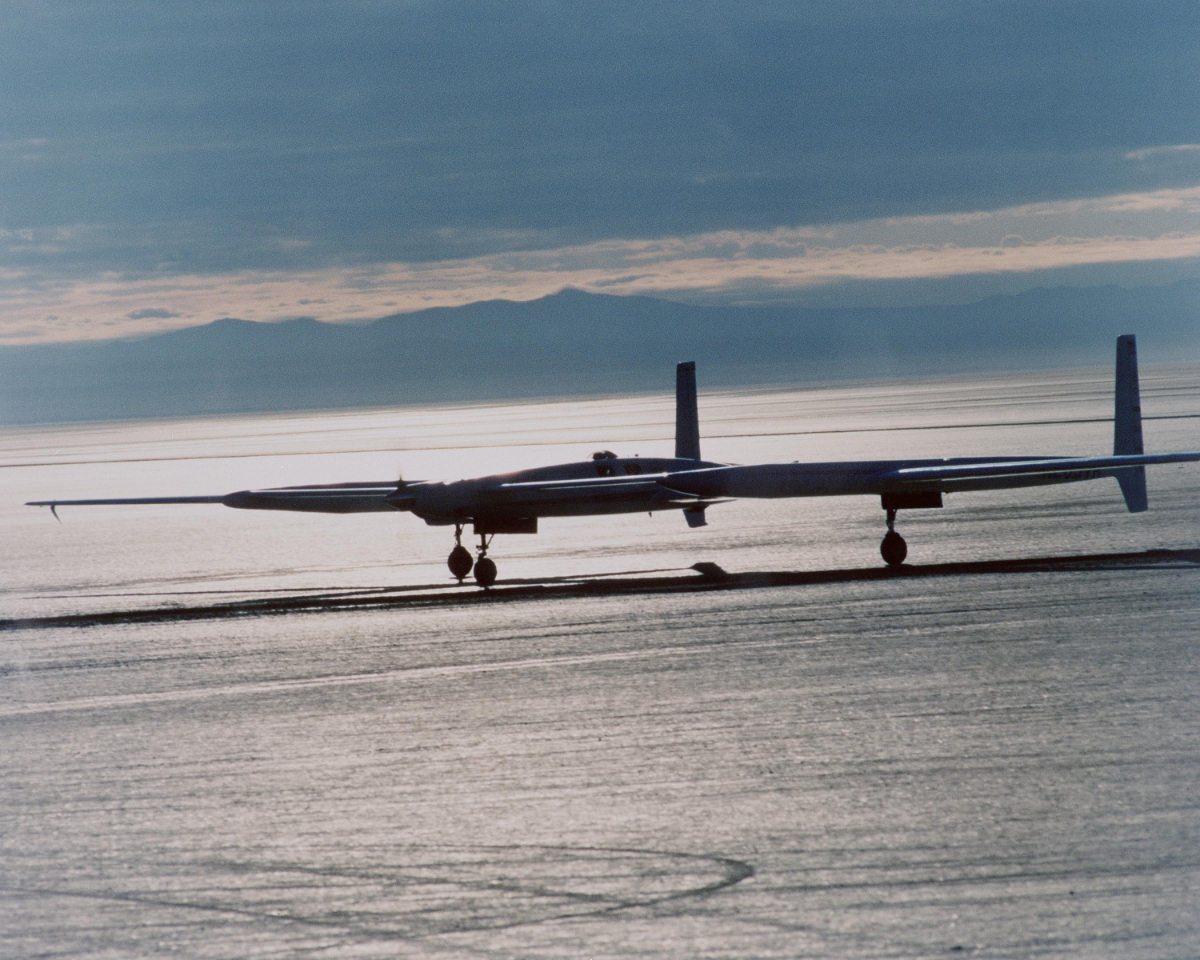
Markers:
{"x": 576, "y": 343}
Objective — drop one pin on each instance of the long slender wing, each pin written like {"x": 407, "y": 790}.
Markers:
{"x": 115, "y": 501}
{"x": 1048, "y": 469}
{"x": 319, "y": 498}
{"x": 372, "y": 497}
{"x": 601, "y": 494}
{"x": 893, "y": 476}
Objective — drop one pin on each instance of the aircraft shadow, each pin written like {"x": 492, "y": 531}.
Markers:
{"x": 700, "y": 577}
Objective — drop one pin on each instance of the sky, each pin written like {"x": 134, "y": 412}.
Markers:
{"x": 167, "y": 164}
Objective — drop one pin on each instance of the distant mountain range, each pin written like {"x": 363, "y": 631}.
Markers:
{"x": 578, "y": 343}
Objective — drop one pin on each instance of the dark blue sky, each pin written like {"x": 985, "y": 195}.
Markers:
{"x": 164, "y": 164}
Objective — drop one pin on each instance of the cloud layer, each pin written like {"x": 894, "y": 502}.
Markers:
{"x": 161, "y": 162}
{"x": 745, "y": 266}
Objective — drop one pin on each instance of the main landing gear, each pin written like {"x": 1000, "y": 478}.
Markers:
{"x": 460, "y": 562}
{"x": 893, "y": 548}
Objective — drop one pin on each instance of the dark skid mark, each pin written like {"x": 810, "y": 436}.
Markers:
{"x": 434, "y": 891}
{"x": 704, "y": 576}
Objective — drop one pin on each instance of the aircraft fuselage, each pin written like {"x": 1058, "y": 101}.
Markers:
{"x": 603, "y": 485}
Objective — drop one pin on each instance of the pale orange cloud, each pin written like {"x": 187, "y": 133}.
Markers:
{"x": 1154, "y": 226}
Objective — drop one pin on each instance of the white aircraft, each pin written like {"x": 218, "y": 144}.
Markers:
{"x": 608, "y": 484}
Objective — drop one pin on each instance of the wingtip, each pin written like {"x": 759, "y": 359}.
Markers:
{"x": 52, "y": 504}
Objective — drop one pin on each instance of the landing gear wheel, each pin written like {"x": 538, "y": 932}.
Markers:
{"x": 460, "y": 562}
{"x": 485, "y": 571}
{"x": 893, "y": 549}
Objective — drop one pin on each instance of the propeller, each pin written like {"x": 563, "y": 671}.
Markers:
{"x": 400, "y": 498}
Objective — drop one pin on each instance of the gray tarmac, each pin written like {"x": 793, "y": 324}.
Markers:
{"x": 992, "y": 759}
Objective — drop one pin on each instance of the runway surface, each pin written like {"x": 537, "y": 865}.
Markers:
{"x": 271, "y": 747}
{"x": 702, "y": 576}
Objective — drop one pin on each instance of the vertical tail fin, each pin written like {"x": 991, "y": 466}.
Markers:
{"x": 687, "y": 417}
{"x": 1127, "y": 424}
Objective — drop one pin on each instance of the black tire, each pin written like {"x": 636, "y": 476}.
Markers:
{"x": 485, "y": 571}
{"x": 893, "y": 549}
{"x": 460, "y": 562}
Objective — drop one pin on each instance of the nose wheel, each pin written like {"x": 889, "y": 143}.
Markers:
{"x": 893, "y": 549}
{"x": 461, "y": 563}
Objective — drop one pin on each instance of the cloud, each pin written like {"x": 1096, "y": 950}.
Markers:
{"x": 362, "y": 157}
{"x": 1173, "y": 151}
{"x": 1185, "y": 202}
{"x": 151, "y": 313}
{"x": 714, "y": 267}
{"x": 218, "y": 137}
